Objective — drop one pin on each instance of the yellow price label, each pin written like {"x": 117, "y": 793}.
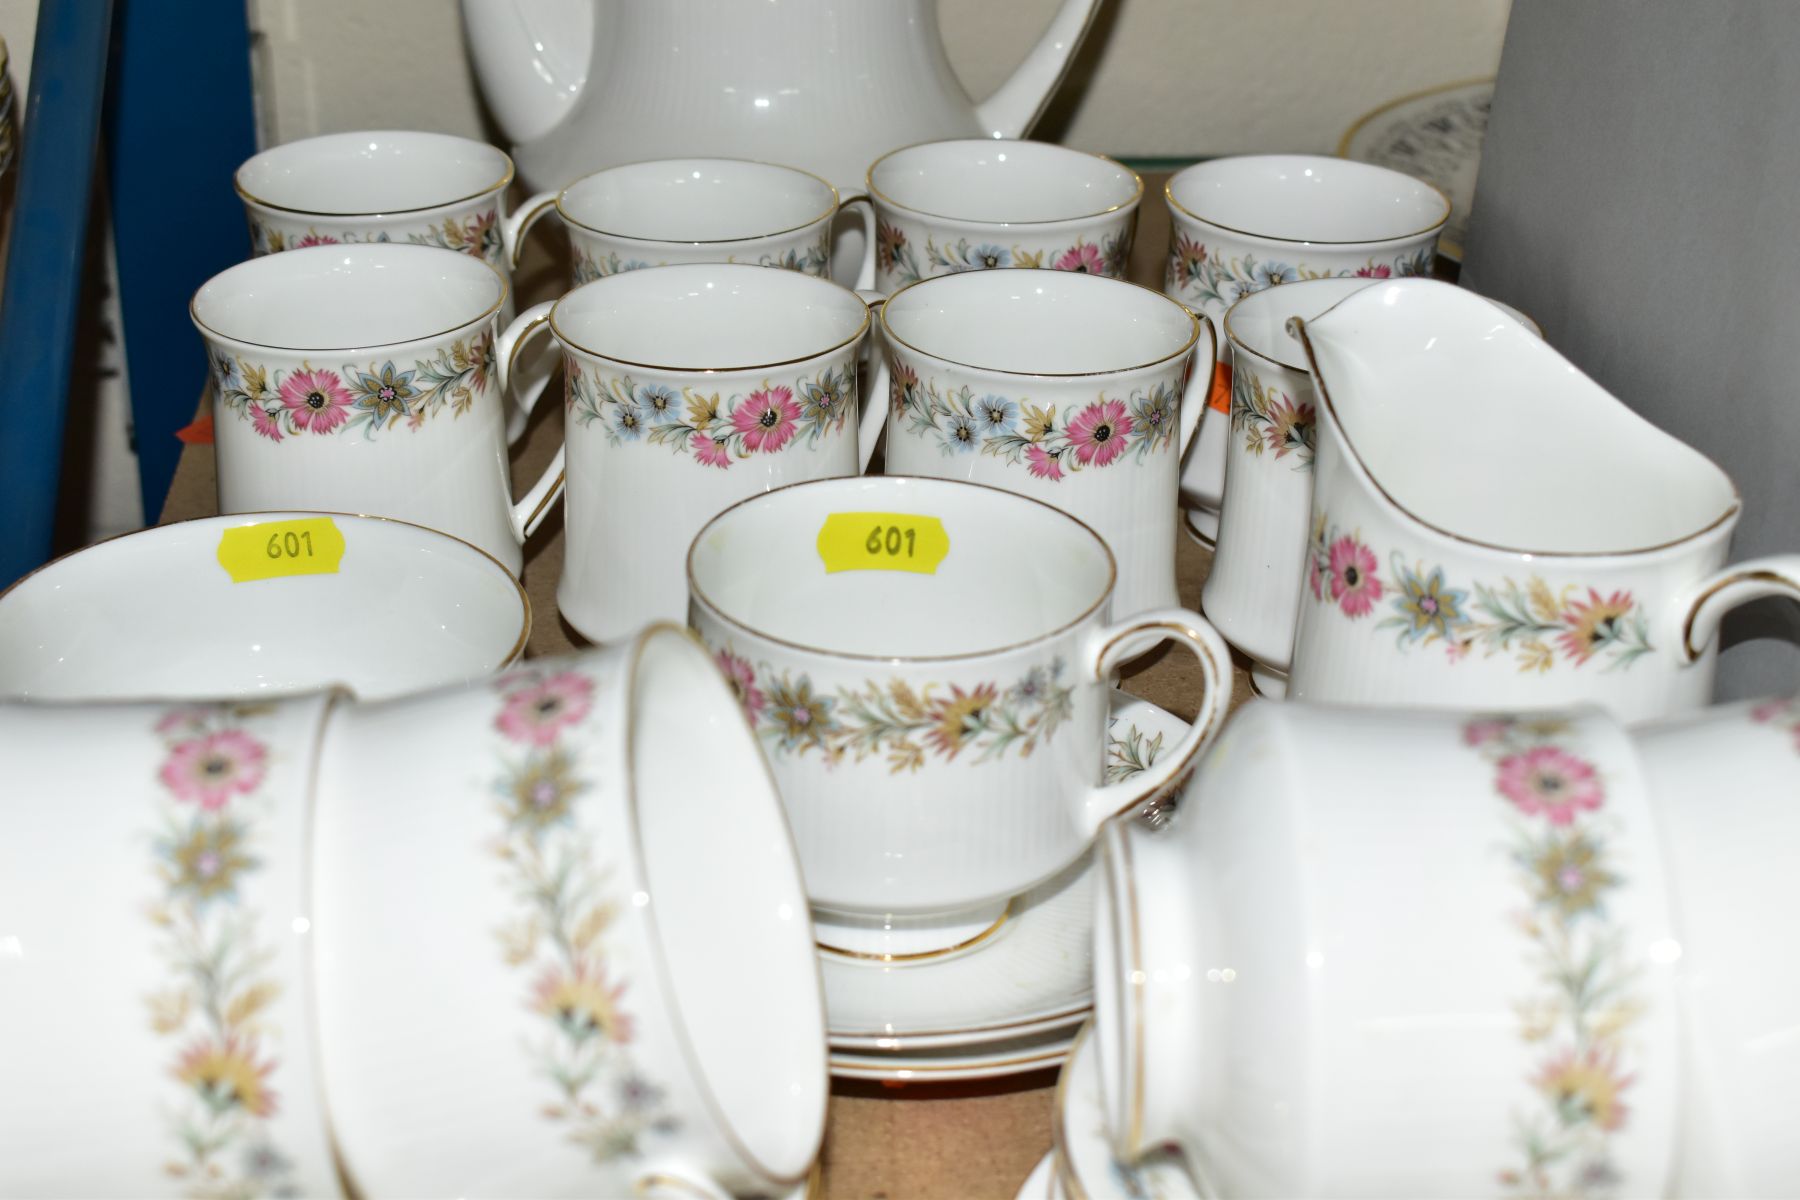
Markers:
{"x": 312, "y": 546}
{"x": 870, "y": 541}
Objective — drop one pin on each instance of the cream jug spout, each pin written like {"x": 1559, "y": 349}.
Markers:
{"x": 531, "y": 57}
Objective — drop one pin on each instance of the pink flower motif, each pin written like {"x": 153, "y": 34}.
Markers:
{"x": 183, "y": 720}
{"x": 767, "y": 418}
{"x": 1315, "y": 578}
{"x": 1771, "y": 710}
{"x": 210, "y": 769}
{"x": 1353, "y": 582}
{"x": 1381, "y": 272}
{"x": 710, "y": 452}
{"x": 1099, "y": 432}
{"x": 316, "y": 400}
{"x": 1042, "y": 464}
{"x": 1456, "y": 651}
{"x": 267, "y": 421}
{"x": 742, "y": 677}
{"x": 1480, "y": 733}
{"x": 1084, "y": 258}
{"x": 536, "y": 714}
{"x": 312, "y": 239}
{"x": 1548, "y": 781}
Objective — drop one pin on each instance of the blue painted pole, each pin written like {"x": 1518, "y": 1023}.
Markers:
{"x": 179, "y": 120}
{"x": 43, "y": 269}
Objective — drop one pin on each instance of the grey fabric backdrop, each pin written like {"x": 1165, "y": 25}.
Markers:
{"x": 1640, "y": 195}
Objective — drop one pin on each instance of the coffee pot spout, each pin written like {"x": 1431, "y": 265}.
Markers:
{"x": 531, "y": 58}
{"x": 1016, "y": 104}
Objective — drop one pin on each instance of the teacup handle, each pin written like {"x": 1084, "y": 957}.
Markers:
{"x": 873, "y": 418}
{"x": 517, "y": 224}
{"x": 1707, "y": 602}
{"x": 530, "y": 512}
{"x": 1126, "y": 640}
{"x": 1199, "y": 384}
{"x": 865, "y": 275}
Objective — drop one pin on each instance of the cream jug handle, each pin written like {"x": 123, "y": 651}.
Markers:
{"x": 517, "y": 224}
{"x": 1707, "y": 602}
{"x": 1126, "y": 640}
{"x": 1016, "y": 104}
{"x": 1200, "y": 381}
{"x": 875, "y": 400}
{"x": 529, "y": 513}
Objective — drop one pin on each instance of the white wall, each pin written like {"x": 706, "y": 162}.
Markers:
{"x": 1169, "y": 78}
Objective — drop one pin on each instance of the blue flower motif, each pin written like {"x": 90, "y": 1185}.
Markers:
{"x": 225, "y": 372}
{"x": 628, "y": 422}
{"x": 960, "y": 436}
{"x": 988, "y": 256}
{"x": 1269, "y": 274}
{"x": 659, "y": 404}
{"x": 996, "y": 414}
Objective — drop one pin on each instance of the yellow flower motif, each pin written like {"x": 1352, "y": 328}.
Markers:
{"x": 1571, "y": 876}
{"x": 542, "y": 789}
{"x": 581, "y": 1004}
{"x": 1585, "y": 1088}
{"x": 959, "y": 717}
{"x": 1039, "y": 422}
{"x": 226, "y": 1076}
{"x": 207, "y": 861}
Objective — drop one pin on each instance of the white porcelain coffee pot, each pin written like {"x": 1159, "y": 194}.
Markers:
{"x": 820, "y": 84}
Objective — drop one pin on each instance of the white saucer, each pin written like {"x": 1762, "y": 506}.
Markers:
{"x": 993, "y": 1060}
{"x": 1041, "y": 1183}
{"x": 1036, "y": 973}
{"x": 1267, "y": 682}
{"x": 1084, "y": 1165}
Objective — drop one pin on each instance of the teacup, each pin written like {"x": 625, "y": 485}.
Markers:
{"x": 367, "y": 379}
{"x": 1077, "y": 391}
{"x": 927, "y": 664}
{"x": 1397, "y": 954}
{"x": 1491, "y": 527}
{"x": 429, "y": 189}
{"x": 155, "y": 930}
{"x": 979, "y": 203}
{"x": 1724, "y": 781}
{"x": 598, "y": 978}
{"x": 218, "y": 607}
{"x": 1253, "y": 590}
{"x": 694, "y": 210}
{"x": 1242, "y": 224}
{"x": 687, "y": 389}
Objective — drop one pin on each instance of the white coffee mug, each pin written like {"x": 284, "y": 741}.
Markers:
{"x": 387, "y": 185}
{"x": 927, "y": 664}
{"x": 216, "y": 607}
{"x": 1078, "y": 391}
{"x": 694, "y": 210}
{"x": 687, "y": 389}
{"x": 156, "y": 1015}
{"x": 367, "y": 379}
{"x": 1724, "y": 781}
{"x": 979, "y": 203}
{"x": 1244, "y": 223}
{"x": 1385, "y": 953}
{"x": 598, "y": 979}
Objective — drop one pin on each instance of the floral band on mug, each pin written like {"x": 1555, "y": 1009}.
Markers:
{"x": 1197, "y": 275}
{"x": 478, "y": 235}
{"x": 318, "y": 400}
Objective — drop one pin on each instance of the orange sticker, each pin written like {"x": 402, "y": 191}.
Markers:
{"x": 1219, "y": 398}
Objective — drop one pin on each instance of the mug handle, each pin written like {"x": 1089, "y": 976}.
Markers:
{"x": 516, "y": 225}
{"x": 873, "y": 418}
{"x": 1199, "y": 385}
{"x": 530, "y": 512}
{"x": 1707, "y": 602}
{"x": 1126, "y": 640}
{"x": 865, "y": 275}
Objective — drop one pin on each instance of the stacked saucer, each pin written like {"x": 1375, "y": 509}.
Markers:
{"x": 1081, "y": 1166}
{"x": 1008, "y": 1004}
